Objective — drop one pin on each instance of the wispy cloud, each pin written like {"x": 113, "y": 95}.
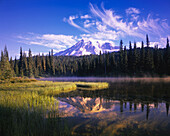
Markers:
{"x": 71, "y": 22}
{"x": 88, "y": 24}
{"x": 132, "y": 10}
{"x": 85, "y": 16}
{"x": 105, "y": 25}
{"x": 116, "y": 22}
{"x": 58, "y": 42}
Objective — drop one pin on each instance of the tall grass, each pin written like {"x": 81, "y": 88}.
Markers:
{"x": 25, "y": 111}
{"x": 91, "y": 85}
{"x": 28, "y": 108}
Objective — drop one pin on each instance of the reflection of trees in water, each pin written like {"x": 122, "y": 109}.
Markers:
{"x": 134, "y": 93}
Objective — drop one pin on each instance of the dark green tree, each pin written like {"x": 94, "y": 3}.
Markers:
{"x": 25, "y": 65}
{"x": 121, "y": 56}
{"x": 16, "y": 69}
{"x": 167, "y": 57}
{"x": 149, "y": 64}
{"x": 21, "y": 63}
{"x": 142, "y": 57}
{"x": 130, "y": 58}
{"x": 6, "y": 71}
{"x": 43, "y": 63}
{"x": 48, "y": 66}
{"x": 30, "y": 64}
{"x": 125, "y": 60}
{"x": 135, "y": 58}
{"x": 52, "y": 63}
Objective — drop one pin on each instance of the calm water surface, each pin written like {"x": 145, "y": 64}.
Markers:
{"x": 126, "y": 108}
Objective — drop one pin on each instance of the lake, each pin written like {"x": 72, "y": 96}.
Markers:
{"x": 125, "y": 108}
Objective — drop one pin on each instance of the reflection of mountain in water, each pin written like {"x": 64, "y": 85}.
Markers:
{"x": 123, "y": 109}
{"x": 92, "y": 105}
{"x": 88, "y": 105}
{"x": 101, "y": 116}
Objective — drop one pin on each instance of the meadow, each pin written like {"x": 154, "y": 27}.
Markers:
{"x": 27, "y": 106}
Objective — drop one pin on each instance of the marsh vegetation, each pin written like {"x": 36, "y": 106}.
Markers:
{"x": 27, "y": 106}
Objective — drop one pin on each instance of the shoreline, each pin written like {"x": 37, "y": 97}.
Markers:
{"x": 106, "y": 79}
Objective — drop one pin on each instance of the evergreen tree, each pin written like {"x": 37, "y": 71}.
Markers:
{"x": 11, "y": 63}
{"x": 37, "y": 60}
{"x": 25, "y": 65}
{"x": 21, "y": 64}
{"x": 64, "y": 70}
{"x": 130, "y": 58}
{"x": 16, "y": 69}
{"x": 2, "y": 65}
{"x": 6, "y": 53}
{"x": 107, "y": 69}
{"x": 121, "y": 56}
{"x": 167, "y": 44}
{"x": 52, "y": 63}
{"x": 39, "y": 65}
{"x": 43, "y": 63}
{"x": 100, "y": 64}
{"x": 149, "y": 64}
{"x": 142, "y": 57}
{"x": 12, "y": 66}
{"x": 147, "y": 41}
{"x": 135, "y": 58}
{"x": 125, "y": 60}
{"x": 167, "y": 58}
{"x": 30, "y": 64}
{"x": 6, "y": 71}
{"x": 35, "y": 70}
{"x": 48, "y": 67}
{"x": 113, "y": 63}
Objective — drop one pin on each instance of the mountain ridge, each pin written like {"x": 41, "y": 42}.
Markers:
{"x": 86, "y": 48}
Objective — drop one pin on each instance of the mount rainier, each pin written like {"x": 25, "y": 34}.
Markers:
{"x": 87, "y": 48}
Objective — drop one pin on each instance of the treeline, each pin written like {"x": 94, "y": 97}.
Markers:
{"x": 144, "y": 61}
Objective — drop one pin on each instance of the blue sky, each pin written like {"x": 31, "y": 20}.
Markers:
{"x": 58, "y": 24}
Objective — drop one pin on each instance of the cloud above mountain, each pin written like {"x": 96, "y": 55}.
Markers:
{"x": 106, "y": 25}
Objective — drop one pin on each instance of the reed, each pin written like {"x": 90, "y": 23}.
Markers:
{"x": 91, "y": 85}
{"x": 27, "y": 106}
{"x": 25, "y": 111}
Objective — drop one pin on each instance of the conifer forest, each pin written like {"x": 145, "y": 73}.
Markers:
{"x": 143, "y": 61}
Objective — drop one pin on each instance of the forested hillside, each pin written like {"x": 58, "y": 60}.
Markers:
{"x": 143, "y": 61}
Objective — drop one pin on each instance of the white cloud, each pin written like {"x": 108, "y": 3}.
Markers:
{"x": 151, "y": 25}
{"x": 105, "y": 25}
{"x": 152, "y": 44}
{"x": 132, "y": 10}
{"x": 58, "y": 42}
{"x": 101, "y": 27}
{"x": 134, "y": 17}
{"x": 107, "y": 35}
{"x": 114, "y": 21}
{"x": 163, "y": 41}
{"x": 71, "y": 22}
{"x": 88, "y": 24}
{"x": 85, "y": 17}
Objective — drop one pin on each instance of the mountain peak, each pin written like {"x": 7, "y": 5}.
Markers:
{"x": 83, "y": 47}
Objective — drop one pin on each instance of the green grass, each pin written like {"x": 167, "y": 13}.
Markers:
{"x": 17, "y": 80}
{"x": 42, "y": 87}
{"x": 28, "y": 108}
{"x": 91, "y": 85}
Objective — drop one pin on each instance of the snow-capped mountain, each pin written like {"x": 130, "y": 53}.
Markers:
{"x": 87, "y": 48}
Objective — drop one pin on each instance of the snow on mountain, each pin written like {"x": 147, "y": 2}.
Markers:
{"x": 86, "y": 48}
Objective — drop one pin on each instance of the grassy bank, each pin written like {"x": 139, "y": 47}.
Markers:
{"x": 24, "y": 110}
{"x": 91, "y": 85}
{"x": 27, "y": 106}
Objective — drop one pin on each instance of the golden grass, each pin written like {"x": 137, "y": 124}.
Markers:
{"x": 91, "y": 85}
